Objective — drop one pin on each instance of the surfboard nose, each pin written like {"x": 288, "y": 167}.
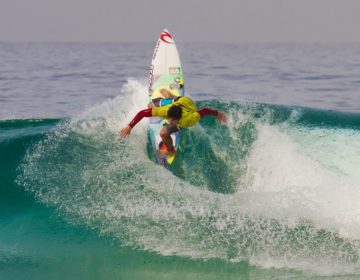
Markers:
{"x": 166, "y": 37}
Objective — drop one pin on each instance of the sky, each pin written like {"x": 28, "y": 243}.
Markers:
{"x": 191, "y": 20}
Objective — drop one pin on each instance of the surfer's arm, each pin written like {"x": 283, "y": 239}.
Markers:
{"x": 140, "y": 115}
{"x": 211, "y": 112}
{"x": 126, "y": 130}
{"x": 207, "y": 112}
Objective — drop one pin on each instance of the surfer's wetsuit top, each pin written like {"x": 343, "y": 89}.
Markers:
{"x": 190, "y": 114}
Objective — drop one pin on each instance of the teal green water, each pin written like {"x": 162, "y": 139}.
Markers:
{"x": 272, "y": 195}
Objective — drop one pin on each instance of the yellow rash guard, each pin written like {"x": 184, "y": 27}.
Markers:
{"x": 190, "y": 114}
{"x": 189, "y": 117}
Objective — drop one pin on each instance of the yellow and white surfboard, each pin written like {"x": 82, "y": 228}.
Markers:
{"x": 165, "y": 80}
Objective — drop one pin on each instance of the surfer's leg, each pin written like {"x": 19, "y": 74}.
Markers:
{"x": 167, "y": 93}
{"x": 166, "y": 138}
{"x": 165, "y": 133}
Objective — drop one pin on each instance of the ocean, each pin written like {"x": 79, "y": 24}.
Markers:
{"x": 273, "y": 194}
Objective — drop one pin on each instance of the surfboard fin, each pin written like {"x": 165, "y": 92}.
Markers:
{"x": 170, "y": 159}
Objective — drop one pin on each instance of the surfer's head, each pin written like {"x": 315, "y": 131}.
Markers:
{"x": 174, "y": 114}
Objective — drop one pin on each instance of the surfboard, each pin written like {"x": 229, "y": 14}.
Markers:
{"x": 165, "y": 80}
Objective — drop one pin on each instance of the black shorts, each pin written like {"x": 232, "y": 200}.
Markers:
{"x": 159, "y": 102}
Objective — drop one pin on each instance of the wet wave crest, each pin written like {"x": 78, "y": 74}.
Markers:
{"x": 276, "y": 186}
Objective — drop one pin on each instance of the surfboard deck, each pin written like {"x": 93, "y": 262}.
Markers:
{"x": 166, "y": 80}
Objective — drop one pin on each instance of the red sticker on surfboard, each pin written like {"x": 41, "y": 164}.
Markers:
{"x": 174, "y": 70}
{"x": 165, "y": 37}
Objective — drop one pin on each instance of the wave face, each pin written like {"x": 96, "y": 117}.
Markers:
{"x": 277, "y": 187}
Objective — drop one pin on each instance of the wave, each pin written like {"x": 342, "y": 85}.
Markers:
{"x": 277, "y": 186}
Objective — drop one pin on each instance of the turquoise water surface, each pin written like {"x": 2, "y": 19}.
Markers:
{"x": 274, "y": 194}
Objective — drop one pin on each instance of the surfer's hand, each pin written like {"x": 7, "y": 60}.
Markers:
{"x": 222, "y": 117}
{"x": 125, "y": 132}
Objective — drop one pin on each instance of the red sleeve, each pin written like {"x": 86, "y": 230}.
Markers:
{"x": 140, "y": 115}
{"x": 207, "y": 112}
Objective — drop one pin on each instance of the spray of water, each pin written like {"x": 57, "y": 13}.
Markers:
{"x": 279, "y": 195}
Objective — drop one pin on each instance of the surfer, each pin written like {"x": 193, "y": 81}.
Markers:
{"x": 179, "y": 112}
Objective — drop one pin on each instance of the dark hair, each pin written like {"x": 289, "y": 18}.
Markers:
{"x": 174, "y": 112}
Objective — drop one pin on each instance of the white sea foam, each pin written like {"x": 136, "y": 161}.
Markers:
{"x": 292, "y": 208}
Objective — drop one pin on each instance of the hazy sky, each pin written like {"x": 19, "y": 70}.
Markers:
{"x": 189, "y": 20}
